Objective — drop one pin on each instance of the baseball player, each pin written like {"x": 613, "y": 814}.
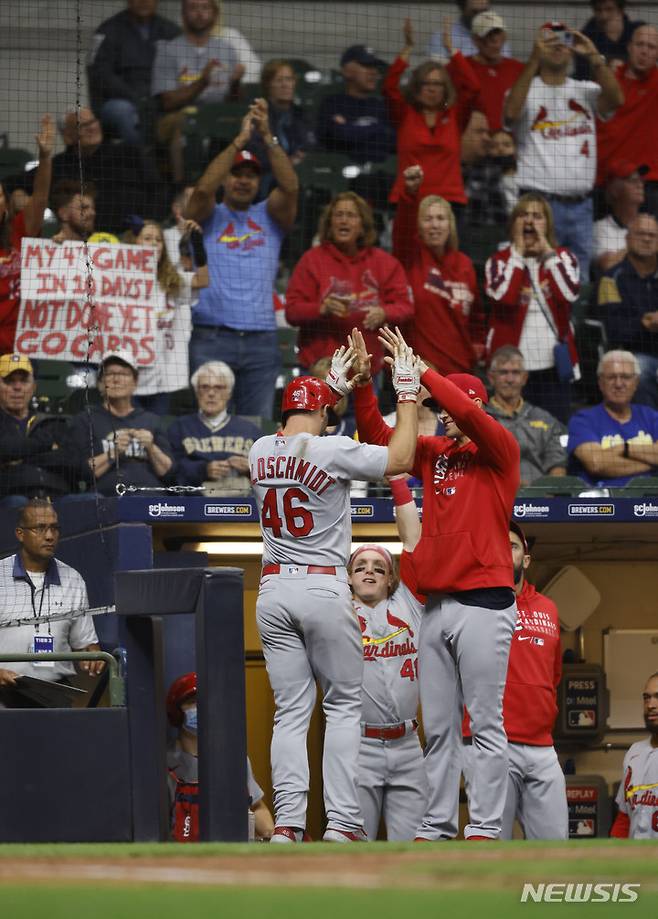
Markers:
{"x": 637, "y": 797}
{"x": 392, "y": 779}
{"x": 304, "y": 611}
{"x": 463, "y": 565}
{"x": 536, "y": 788}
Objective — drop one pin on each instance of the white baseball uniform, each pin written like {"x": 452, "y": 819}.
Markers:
{"x": 637, "y": 796}
{"x": 392, "y": 778}
{"x": 305, "y": 617}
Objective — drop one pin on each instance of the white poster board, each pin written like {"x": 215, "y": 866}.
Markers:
{"x": 630, "y": 656}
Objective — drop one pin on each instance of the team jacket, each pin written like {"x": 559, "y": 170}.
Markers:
{"x": 449, "y": 325}
{"x": 468, "y": 492}
{"x": 372, "y": 277}
{"x": 533, "y": 672}
{"x": 437, "y": 149}
{"x": 509, "y": 289}
{"x": 195, "y": 444}
{"x": 624, "y": 297}
{"x": 37, "y": 456}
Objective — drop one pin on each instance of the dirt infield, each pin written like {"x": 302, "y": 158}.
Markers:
{"x": 423, "y": 867}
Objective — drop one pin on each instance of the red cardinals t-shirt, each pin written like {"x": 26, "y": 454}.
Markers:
{"x": 10, "y": 284}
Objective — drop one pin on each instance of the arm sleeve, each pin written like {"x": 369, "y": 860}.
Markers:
{"x": 494, "y": 442}
{"x": 622, "y": 826}
{"x": 303, "y": 293}
{"x": 621, "y": 317}
{"x": 478, "y": 319}
{"x": 563, "y": 276}
{"x": 620, "y": 797}
{"x": 409, "y": 579}
{"x": 405, "y": 229}
{"x": 391, "y": 89}
{"x": 581, "y": 431}
{"x": 467, "y": 86}
{"x": 503, "y": 278}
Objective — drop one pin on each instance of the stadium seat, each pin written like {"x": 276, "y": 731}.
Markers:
{"x": 52, "y": 388}
{"x": 12, "y": 159}
{"x": 637, "y": 488}
{"x": 553, "y": 485}
{"x": 324, "y": 171}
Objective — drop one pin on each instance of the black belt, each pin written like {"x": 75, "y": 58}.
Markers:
{"x": 562, "y": 199}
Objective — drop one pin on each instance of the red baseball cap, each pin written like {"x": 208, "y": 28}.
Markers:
{"x": 245, "y": 156}
{"x": 622, "y": 169}
{"x": 470, "y": 385}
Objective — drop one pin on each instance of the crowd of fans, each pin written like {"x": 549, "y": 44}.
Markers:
{"x": 523, "y": 196}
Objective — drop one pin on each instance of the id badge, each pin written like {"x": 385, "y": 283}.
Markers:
{"x": 43, "y": 644}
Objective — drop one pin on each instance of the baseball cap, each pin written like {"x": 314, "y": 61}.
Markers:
{"x": 470, "y": 385}
{"x": 11, "y": 362}
{"x": 362, "y": 55}
{"x": 120, "y": 354}
{"x": 102, "y": 237}
{"x": 622, "y": 169}
{"x": 245, "y": 156}
{"x": 515, "y": 528}
{"x": 486, "y": 22}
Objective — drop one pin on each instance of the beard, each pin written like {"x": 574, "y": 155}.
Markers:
{"x": 651, "y": 726}
{"x": 518, "y": 573}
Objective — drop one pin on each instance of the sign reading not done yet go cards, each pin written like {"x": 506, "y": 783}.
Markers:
{"x": 79, "y": 302}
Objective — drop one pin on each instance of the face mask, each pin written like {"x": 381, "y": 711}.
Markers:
{"x": 190, "y": 720}
{"x": 505, "y": 162}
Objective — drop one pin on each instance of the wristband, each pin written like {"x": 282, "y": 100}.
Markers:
{"x": 198, "y": 248}
{"x": 400, "y": 492}
{"x": 407, "y": 397}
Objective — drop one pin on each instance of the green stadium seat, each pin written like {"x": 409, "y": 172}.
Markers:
{"x": 51, "y": 383}
{"x": 12, "y": 159}
{"x": 324, "y": 171}
{"x": 637, "y": 488}
{"x": 553, "y": 485}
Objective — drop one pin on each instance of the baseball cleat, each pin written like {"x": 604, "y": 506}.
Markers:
{"x": 479, "y": 838}
{"x": 331, "y": 835}
{"x": 422, "y": 839}
{"x": 287, "y": 834}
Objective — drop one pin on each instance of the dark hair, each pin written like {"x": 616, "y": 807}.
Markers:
{"x": 33, "y": 503}
{"x": 420, "y": 74}
{"x": 620, "y": 4}
{"x": 65, "y": 191}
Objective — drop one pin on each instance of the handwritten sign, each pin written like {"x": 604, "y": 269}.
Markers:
{"x": 77, "y": 304}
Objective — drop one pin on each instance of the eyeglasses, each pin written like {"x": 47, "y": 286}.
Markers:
{"x": 207, "y": 387}
{"x": 42, "y": 528}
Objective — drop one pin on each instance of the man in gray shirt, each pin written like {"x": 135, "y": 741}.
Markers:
{"x": 537, "y": 431}
{"x": 196, "y": 68}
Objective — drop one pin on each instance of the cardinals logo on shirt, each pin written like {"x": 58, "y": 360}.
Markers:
{"x": 387, "y": 646}
{"x": 245, "y": 241}
{"x": 456, "y": 293}
{"x": 580, "y": 122}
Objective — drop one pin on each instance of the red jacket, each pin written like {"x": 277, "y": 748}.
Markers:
{"x": 632, "y": 132}
{"x": 373, "y": 277}
{"x": 509, "y": 289}
{"x": 495, "y": 81}
{"x": 449, "y": 324}
{"x": 468, "y": 492}
{"x": 533, "y": 672}
{"x": 10, "y": 284}
{"x": 438, "y": 149}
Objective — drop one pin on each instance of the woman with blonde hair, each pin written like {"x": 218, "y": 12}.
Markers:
{"x": 173, "y": 319}
{"x": 346, "y": 282}
{"x": 449, "y": 328}
{"x": 430, "y": 119}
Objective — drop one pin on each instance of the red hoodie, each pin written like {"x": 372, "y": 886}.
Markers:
{"x": 437, "y": 149}
{"x": 449, "y": 324}
{"x": 10, "y": 284}
{"x": 468, "y": 492}
{"x": 533, "y": 672}
{"x": 372, "y": 277}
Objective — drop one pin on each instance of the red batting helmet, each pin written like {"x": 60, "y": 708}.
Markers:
{"x": 180, "y": 691}
{"x": 307, "y": 394}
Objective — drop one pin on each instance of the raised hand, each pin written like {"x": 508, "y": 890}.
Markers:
{"x": 406, "y": 374}
{"x": 413, "y": 179}
{"x": 46, "y": 137}
{"x": 408, "y": 32}
{"x": 341, "y": 363}
{"x": 393, "y": 341}
{"x": 361, "y": 366}
{"x": 582, "y": 44}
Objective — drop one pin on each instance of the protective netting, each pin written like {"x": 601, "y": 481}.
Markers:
{"x": 454, "y": 169}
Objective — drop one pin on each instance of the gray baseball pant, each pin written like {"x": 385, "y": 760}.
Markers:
{"x": 462, "y": 660}
{"x": 536, "y": 792}
{"x": 309, "y": 631}
{"x": 392, "y": 783}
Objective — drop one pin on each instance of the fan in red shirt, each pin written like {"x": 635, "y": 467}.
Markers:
{"x": 13, "y": 228}
{"x": 632, "y": 132}
{"x": 449, "y": 323}
{"x": 345, "y": 281}
{"x": 496, "y": 73}
{"x": 430, "y": 118}
{"x": 470, "y": 478}
{"x": 536, "y": 789}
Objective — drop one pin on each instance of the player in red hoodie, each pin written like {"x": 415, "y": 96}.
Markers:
{"x": 470, "y": 478}
{"x": 536, "y": 789}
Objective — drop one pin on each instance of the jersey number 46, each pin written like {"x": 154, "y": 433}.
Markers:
{"x": 298, "y": 520}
